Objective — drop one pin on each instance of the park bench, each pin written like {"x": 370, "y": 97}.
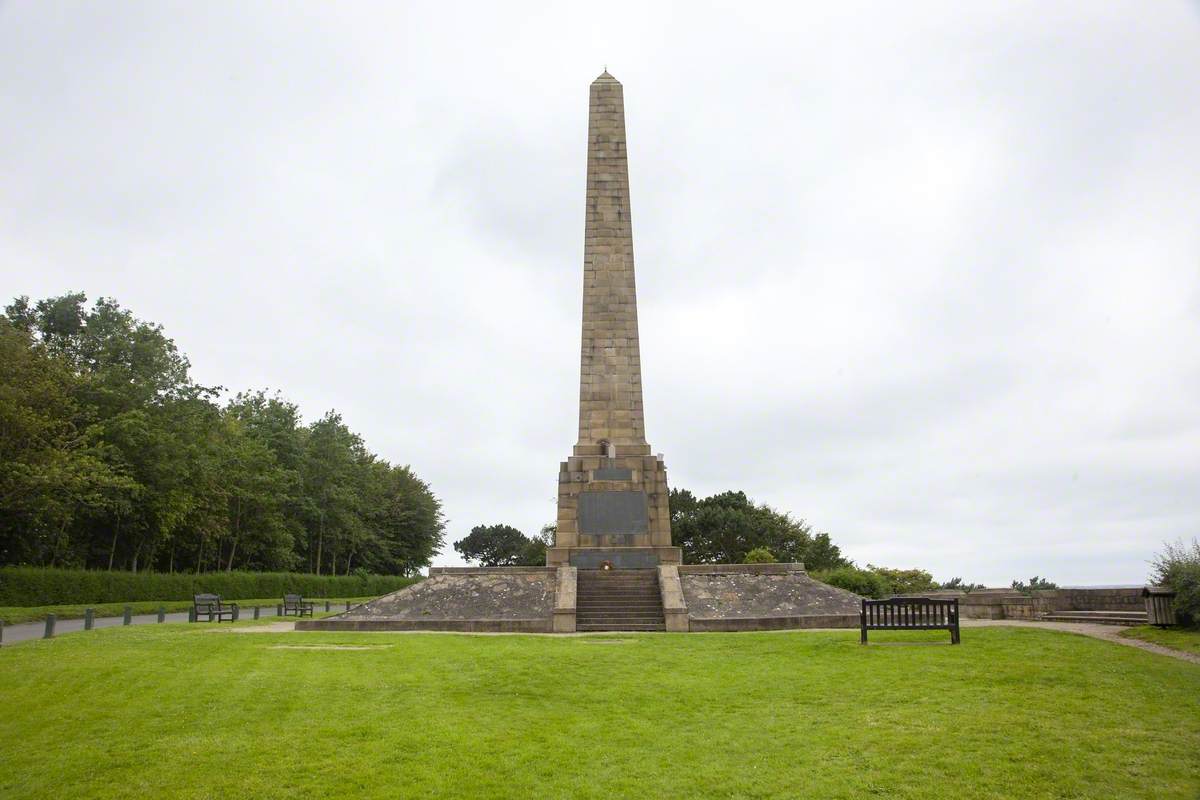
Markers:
{"x": 910, "y": 614}
{"x": 211, "y": 607}
{"x": 295, "y": 604}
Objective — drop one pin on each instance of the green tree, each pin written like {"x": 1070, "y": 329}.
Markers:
{"x": 111, "y": 456}
{"x": 723, "y": 528}
{"x": 501, "y": 546}
{"x": 760, "y": 555}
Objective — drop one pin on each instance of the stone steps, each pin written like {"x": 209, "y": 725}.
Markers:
{"x": 1100, "y": 617}
{"x": 618, "y": 600}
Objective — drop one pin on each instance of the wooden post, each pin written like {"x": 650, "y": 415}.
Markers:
{"x": 89, "y": 618}
{"x": 128, "y": 620}
{"x": 192, "y": 614}
{"x": 256, "y": 612}
{"x": 1, "y": 633}
{"x": 162, "y": 614}
{"x": 49, "y": 634}
{"x": 327, "y": 605}
{"x": 347, "y": 605}
{"x": 279, "y": 609}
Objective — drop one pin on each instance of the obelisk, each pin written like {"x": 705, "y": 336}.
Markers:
{"x": 612, "y": 491}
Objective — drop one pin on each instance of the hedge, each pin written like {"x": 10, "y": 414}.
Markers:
{"x": 37, "y": 586}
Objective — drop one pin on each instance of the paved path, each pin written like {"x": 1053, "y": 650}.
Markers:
{"x": 1108, "y": 633}
{"x": 36, "y": 630}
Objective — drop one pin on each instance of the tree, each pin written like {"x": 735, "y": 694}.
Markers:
{"x": 112, "y": 457}
{"x": 501, "y": 546}
{"x": 760, "y": 555}
{"x": 724, "y": 528}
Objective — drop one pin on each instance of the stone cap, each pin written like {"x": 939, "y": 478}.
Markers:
{"x": 741, "y": 569}
{"x": 491, "y": 570}
{"x": 604, "y": 77}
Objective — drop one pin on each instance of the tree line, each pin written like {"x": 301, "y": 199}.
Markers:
{"x": 112, "y": 457}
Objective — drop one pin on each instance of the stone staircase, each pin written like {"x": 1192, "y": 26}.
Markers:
{"x": 618, "y": 600}
{"x": 1101, "y": 617}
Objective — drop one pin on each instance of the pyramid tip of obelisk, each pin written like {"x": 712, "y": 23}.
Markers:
{"x": 604, "y": 77}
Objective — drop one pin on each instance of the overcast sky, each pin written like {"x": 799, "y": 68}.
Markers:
{"x": 926, "y": 275}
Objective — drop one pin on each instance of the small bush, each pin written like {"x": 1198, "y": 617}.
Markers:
{"x": 37, "y": 586}
{"x": 759, "y": 555}
{"x": 1178, "y": 567}
{"x": 1036, "y": 582}
{"x": 860, "y": 581}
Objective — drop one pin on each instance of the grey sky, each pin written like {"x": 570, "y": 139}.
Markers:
{"x": 927, "y": 275}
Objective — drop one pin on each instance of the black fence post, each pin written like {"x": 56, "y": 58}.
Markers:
{"x": 128, "y": 619}
{"x": 347, "y": 605}
{"x": 50, "y": 620}
{"x": 256, "y": 612}
{"x": 279, "y": 609}
{"x": 162, "y": 614}
{"x": 326, "y": 605}
{"x": 192, "y": 614}
{"x": 89, "y": 618}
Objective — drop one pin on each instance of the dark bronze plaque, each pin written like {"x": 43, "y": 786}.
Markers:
{"x": 612, "y": 512}
{"x": 612, "y": 474}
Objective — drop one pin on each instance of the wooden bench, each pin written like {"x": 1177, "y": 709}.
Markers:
{"x": 295, "y": 604}
{"x": 910, "y": 614}
{"x": 210, "y": 606}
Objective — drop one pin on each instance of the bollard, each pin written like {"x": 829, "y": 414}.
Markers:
{"x": 162, "y": 614}
{"x": 1, "y": 633}
{"x": 256, "y": 612}
{"x": 326, "y": 605}
{"x": 128, "y": 616}
{"x": 236, "y": 610}
{"x": 50, "y": 619}
{"x": 192, "y": 614}
{"x": 89, "y": 618}
{"x": 347, "y": 605}
{"x": 279, "y": 610}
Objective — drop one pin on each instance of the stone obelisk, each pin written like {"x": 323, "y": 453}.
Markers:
{"x": 612, "y": 491}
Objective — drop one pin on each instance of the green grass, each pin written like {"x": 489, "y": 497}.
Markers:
{"x": 1185, "y": 639}
{"x": 178, "y": 712}
{"x": 14, "y": 615}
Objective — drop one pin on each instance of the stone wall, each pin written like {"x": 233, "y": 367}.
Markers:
{"x": 1010, "y": 604}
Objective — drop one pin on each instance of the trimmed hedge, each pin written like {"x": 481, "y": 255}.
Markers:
{"x": 37, "y": 586}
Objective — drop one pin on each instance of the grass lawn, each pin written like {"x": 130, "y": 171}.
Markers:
{"x": 172, "y": 711}
{"x": 1185, "y": 639}
{"x": 13, "y": 615}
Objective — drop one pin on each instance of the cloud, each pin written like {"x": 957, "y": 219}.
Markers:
{"x": 926, "y": 277}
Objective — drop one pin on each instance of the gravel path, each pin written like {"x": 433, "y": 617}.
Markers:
{"x": 1108, "y": 633}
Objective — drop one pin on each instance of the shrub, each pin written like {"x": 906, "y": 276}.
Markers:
{"x": 853, "y": 579}
{"x": 1036, "y": 582}
{"x": 1178, "y": 567}
{"x": 759, "y": 555}
{"x": 37, "y": 586}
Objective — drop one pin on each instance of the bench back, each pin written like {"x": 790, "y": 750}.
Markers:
{"x": 913, "y": 613}
{"x": 207, "y": 600}
{"x": 291, "y": 598}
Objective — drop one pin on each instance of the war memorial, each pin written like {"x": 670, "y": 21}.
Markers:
{"x": 612, "y": 566}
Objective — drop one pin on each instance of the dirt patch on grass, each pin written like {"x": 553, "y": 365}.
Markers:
{"x": 329, "y": 647}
